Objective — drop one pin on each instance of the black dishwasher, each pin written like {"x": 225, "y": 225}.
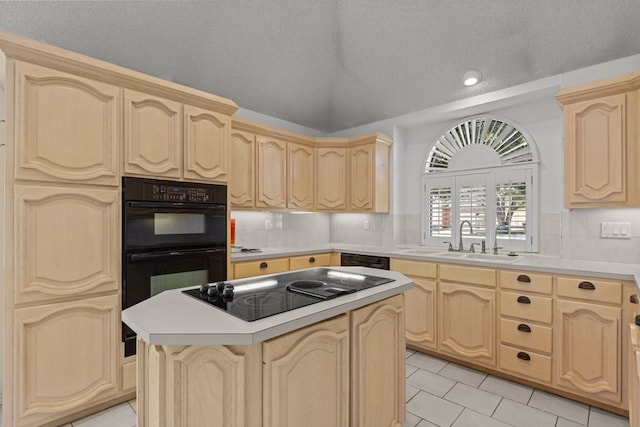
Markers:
{"x": 381, "y": 262}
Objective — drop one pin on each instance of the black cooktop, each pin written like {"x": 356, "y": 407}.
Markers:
{"x": 256, "y": 298}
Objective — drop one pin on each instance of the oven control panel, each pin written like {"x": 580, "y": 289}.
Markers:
{"x": 154, "y": 190}
{"x": 175, "y": 193}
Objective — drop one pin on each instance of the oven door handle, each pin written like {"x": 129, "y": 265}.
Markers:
{"x": 176, "y": 205}
{"x": 148, "y": 256}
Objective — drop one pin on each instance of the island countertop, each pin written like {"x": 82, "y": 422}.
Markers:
{"x": 172, "y": 318}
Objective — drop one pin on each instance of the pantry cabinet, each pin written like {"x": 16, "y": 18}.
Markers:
{"x": 68, "y": 127}
{"x": 307, "y": 372}
{"x": 67, "y": 241}
{"x": 601, "y": 142}
{"x": 67, "y": 358}
{"x": 74, "y": 127}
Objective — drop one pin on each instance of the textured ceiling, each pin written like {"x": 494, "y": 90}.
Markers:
{"x": 335, "y": 64}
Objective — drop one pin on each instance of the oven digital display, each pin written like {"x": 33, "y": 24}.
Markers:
{"x": 182, "y": 223}
{"x": 165, "y": 282}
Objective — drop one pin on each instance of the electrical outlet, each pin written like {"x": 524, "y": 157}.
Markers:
{"x": 615, "y": 230}
{"x": 365, "y": 224}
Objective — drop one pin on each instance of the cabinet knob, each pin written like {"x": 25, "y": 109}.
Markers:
{"x": 524, "y": 300}
{"x": 633, "y": 299}
{"x": 523, "y": 356}
{"x": 587, "y": 286}
{"x": 264, "y": 265}
{"x": 522, "y": 327}
{"x": 312, "y": 260}
{"x": 524, "y": 278}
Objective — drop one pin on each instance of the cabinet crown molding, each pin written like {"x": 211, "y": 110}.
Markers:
{"x": 609, "y": 86}
{"x": 24, "y": 49}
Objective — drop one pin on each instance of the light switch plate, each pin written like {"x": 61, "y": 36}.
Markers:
{"x": 615, "y": 230}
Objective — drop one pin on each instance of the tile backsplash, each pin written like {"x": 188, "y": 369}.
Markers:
{"x": 573, "y": 234}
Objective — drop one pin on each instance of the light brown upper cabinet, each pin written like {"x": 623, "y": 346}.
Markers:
{"x": 601, "y": 142}
{"x": 67, "y": 127}
{"x": 152, "y": 135}
{"x": 167, "y": 139}
{"x": 331, "y": 183}
{"x": 301, "y": 176}
{"x": 277, "y": 169}
{"x": 272, "y": 173}
{"x": 242, "y": 183}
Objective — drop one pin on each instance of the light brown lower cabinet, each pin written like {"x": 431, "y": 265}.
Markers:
{"x": 468, "y": 322}
{"x": 634, "y": 376}
{"x": 421, "y": 310}
{"x": 315, "y": 376}
{"x": 588, "y": 342}
{"x": 306, "y": 376}
{"x": 67, "y": 358}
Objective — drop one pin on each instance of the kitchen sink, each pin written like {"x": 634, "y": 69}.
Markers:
{"x": 500, "y": 258}
{"x": 421, "y": 251}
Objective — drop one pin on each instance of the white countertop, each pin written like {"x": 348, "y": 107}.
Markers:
{"x": 530, "y": 262}
{"x": 172, "y": 318}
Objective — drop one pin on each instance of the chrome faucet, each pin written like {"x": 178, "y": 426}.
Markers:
{"x": 495, "y": 238}
{"x": 460, "y": 247}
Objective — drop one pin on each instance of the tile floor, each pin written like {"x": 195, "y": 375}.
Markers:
{"x": 440, "y": 393}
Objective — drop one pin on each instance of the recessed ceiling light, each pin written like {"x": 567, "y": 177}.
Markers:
{"x": 471, "y": 77}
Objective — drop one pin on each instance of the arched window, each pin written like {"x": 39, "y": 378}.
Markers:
{"x": 480, "y": 183}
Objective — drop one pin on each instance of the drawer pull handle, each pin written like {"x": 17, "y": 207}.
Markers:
{"x": 523, "y": 356}
{"x": 524, "y": 328}
{"x": 312, "y": 260}
{"x": 264, "y": 265}
{"x": 524, "y": 300}
{"x": 587, "y": 286}
{"x": 524, "y": 278}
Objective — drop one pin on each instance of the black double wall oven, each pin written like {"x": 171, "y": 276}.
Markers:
{"x": 174, "y": 235}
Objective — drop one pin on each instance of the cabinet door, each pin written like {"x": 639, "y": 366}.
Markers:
{"x": 331, "y": 188}
{"x": 67, "y": 127}
{"x": 68, "y": 358}
{"x": 272, "y": 173}
{"x": 468, "y": 322}
{"x": 67, "y": 242}
{"x": 362, "y": 183}
{"x": 595, "y": 152}
{"x": 206, "y": 145}
{"x": 152, "y": 135}
{"x": 306, "y": 376}
{"x": 378, "y": 365}
{"x": 242, "y": 182}
{"x": 421, "y": 312}
{"x": 587, "y": 355}
{"x": 213, "y": 386}
{"x": 301, "y": 176}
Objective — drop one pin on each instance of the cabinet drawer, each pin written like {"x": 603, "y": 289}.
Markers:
{"x": 590, "y": 289}
{"x": 526, "y": 306}
{"x": 478, "y": 276}
{"x": 522, "y": 334}
{"x": 257, "y": 268}
{"x": 415, "y": 268}
{"x": 524, "y": 281}
{"x": 308, "y": 261}
{"x": 515, "y": 360}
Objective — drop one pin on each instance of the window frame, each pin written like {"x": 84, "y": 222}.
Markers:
{"x": 490, "y": 176}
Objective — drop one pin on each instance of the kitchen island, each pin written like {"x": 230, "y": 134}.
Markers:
{"x": 338, "y": 362}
